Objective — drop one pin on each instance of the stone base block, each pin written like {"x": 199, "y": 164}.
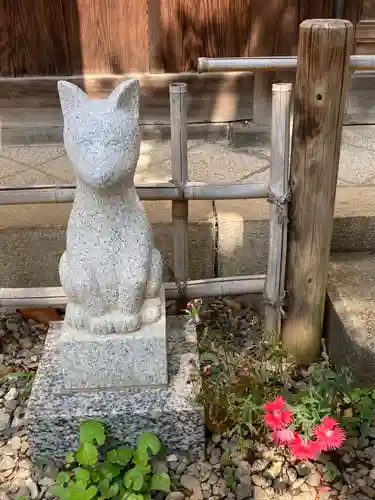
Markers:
{"x": 121, "y": 360}
{"x": 54, "y": 413}
{"x": 350, "y": 315}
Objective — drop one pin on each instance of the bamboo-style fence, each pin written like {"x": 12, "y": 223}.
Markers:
{"x": 302, "y": 261}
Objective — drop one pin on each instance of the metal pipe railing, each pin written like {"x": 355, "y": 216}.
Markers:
{"x": 276, "y": 63}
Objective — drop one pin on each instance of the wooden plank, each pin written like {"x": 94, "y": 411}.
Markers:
{"x": 180, "y": 209}
{"x": 155, "y": 36}
{"x": 221, "y": 28}
{"x": 169, "y": 52}
{"x": 313, "y": 9}
{"x": 352, "y": 11}
{"x": 365, "y": 31}
{"x": 37, "y": 37}
{"x": 107, "y": 36}
{"x": 322, "y": 82}
{"x": 279, "y": 186}
{"x": 367, "y": 9}
{"x": 6, "y": 59}
{"x": 216, "y": 97}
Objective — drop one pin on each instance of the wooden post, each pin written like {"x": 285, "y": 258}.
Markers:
{"x": 262, "y": 97}
{"x": 278, "y": 197}
{"x": 320, "y": 96}
{"x": 180, "y": 209}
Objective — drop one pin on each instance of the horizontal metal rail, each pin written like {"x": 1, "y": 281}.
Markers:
{"x": 54, "y": 296}
{"x": 159, "y": 191}
{"x": 277, "y": 63}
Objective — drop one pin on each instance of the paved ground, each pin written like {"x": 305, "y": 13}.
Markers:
{"x": 231, "y": 237}
{"x": 208, "y": 161}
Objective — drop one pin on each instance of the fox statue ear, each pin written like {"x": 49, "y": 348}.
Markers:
{"x": 126, "y": 96}
{"x": 70, "y": 95}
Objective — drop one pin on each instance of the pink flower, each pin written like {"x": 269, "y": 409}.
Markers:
{"x": 305, "y": 449}
{"x": 329, "y": 434}
{"x": 283, "y": 436}
{"x": 207, "y": 371}
{"x": 277, "y": 416}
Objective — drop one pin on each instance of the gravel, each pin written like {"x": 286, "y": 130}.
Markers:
{"x": 227, "y": 473}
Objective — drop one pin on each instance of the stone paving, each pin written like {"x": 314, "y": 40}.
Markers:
{"x": 208, "y": 161}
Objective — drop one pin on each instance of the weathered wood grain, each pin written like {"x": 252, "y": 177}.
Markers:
{"x": 107, "y": 36}
{"x": 322, "y": 80}
{"x": 6, "y": 56}
{"x": 37, "y": 37}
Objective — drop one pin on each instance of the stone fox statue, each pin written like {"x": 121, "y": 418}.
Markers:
{"x": 111, "y": 272}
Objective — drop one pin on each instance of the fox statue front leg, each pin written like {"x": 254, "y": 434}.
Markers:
{"x": 82, "y": 292}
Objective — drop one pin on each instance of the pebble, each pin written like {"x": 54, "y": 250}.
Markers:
{"x": 215, "y": 456}
{"x": 7, "y": 463}
{"x": 303, "y": 469}
{"x": 367, "y": 490}
{"x": 4, "y": 419}
{"x": 267, "y": 475}
{"x": 259, "y": 493}
{"x": 347, "y": 458}
{"x": 175, "y": 495}
{"x": 181, "y": 468}
{"x": 314, "y": 478}
{"x": 11, "y": 394}
{"x": 274, "y": 471}
{"x": 189, "y": 482}
{"x": 11, "y": 405}
{"x": 259, "y": 465}
{"x": 160, "y": 467}
{"x": 243, "y": 492}
{"x": 279, "y": 485}
{"x": 291, "y": 474}
{"x": 34, "y": 491}
{"x": 259, "y": 480}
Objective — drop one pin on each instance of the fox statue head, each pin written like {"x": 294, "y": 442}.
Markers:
{"x": 101, "y": 136}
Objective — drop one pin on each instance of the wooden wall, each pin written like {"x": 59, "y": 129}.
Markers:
{"x": 72, "y": 37}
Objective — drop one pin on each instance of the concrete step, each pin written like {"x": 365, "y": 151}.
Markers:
{"x": 350, "y": 314}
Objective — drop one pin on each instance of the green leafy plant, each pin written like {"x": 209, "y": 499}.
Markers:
{"x": 359, "y": 409}
{"x": 237, "y": 382}
{"x": 330, "y": 472}
{"x": 125, "y": 474}
{"x": 318, "y": 395}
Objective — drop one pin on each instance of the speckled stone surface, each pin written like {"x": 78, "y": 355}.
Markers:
{"x": 110, "y": 269}
{"x": 53, "y": 413}
{"x": 350, "y": 314}
{"x": 135, "y": 359}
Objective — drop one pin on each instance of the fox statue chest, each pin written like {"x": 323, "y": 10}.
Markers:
{"x": 117, "y": 229}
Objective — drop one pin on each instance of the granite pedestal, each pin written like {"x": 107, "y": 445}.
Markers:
{"x": 115, "y": 360}
{"x": 55, "y": 411}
